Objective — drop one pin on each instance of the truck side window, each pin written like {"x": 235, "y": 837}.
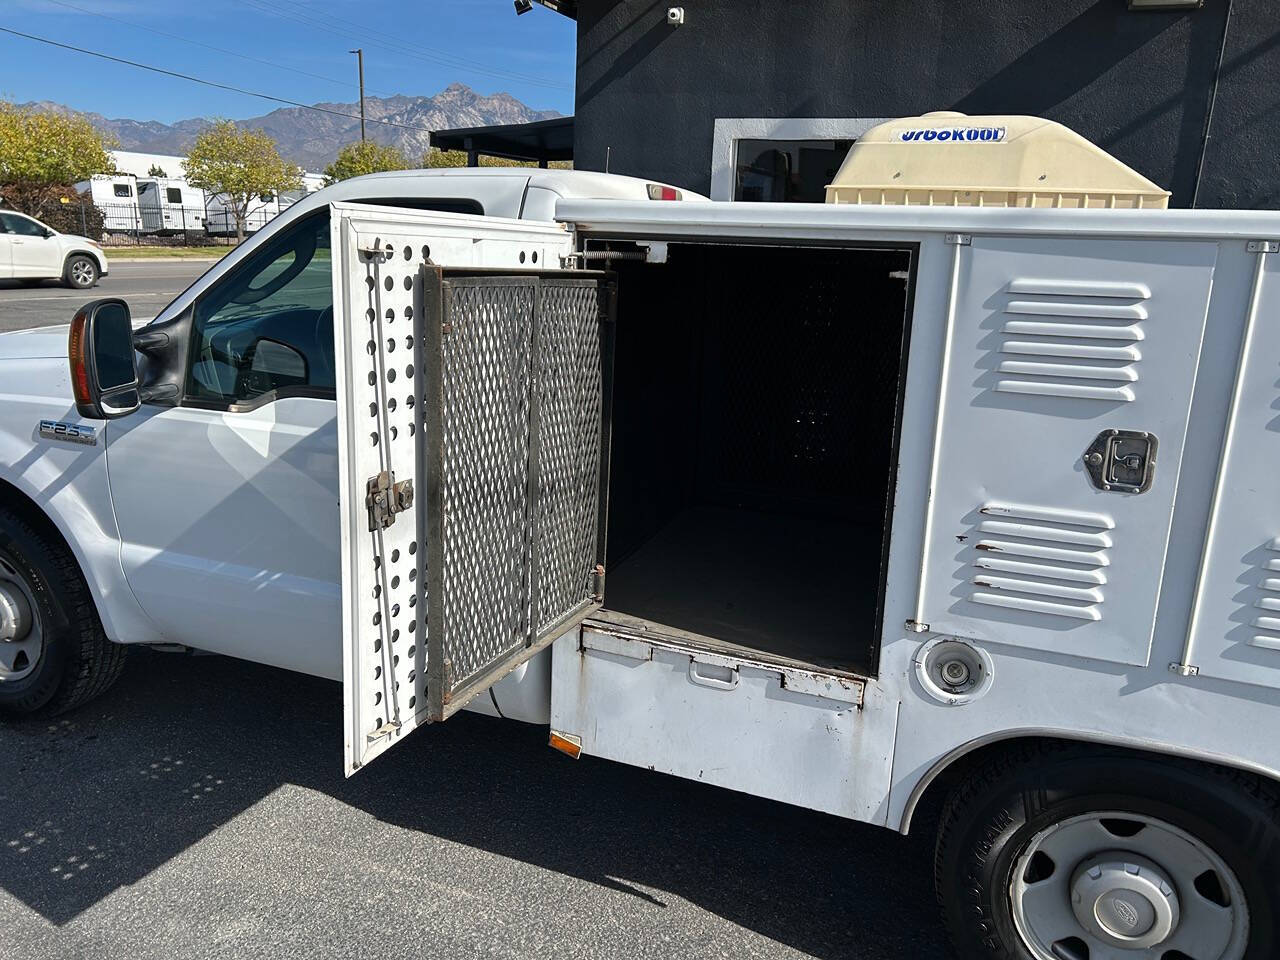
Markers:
{"x": 173, "y": 194}
{"x": 267, "y": 328}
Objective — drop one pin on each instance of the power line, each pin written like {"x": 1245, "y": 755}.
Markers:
{"x": 207, "y": 83}
{"x": 197, "y": 43}
{"x": 309, "y": 18}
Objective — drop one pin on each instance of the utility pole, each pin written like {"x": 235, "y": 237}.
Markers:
{"x": 359, "y": 52}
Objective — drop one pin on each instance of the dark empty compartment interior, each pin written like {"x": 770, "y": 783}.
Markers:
{"x": 754, "y": 408}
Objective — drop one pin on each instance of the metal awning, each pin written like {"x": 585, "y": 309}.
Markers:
{"x": 540, "y": 142}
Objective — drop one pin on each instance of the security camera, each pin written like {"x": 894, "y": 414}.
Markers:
{"x": 675, "y": 16}
{"x": 523, "y": 6}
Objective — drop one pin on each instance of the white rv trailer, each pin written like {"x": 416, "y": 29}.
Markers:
{"x": 853, "y": 507}
{"x": 116, "y": 195}
{"x": 170, "y": 206}
{"x": 221, "y": 222}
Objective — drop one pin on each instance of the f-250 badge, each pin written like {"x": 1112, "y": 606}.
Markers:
{"x": 68, "y": 432}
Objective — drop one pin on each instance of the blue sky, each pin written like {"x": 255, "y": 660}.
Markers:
{"x": 296, "y": 49}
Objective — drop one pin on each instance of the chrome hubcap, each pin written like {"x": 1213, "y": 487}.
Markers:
{"x": 1122, "y": 886}
{"x": 21, "y": 636}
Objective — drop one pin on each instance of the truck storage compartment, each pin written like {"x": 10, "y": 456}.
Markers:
{"x": 755, "y": 404}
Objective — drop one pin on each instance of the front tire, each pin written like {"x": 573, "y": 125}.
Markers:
{"x": 80, "y": 271}
{"x": 1056, "y": 852}
{"x": 54, "y": 655}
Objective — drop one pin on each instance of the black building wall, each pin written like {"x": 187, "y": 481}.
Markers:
{"x": 1137, "y": 84}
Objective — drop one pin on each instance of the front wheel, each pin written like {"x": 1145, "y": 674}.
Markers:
{"x": 80, "y": 272}
{"x": 54, "y": 655}
{"x": 1064, "y": 853}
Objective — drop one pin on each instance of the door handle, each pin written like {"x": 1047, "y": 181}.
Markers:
{"x": 1122, "y": 460}
{"x": 713, "y": 675}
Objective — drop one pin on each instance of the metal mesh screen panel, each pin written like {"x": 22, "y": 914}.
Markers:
{"x": 517, "y": 440}
{"x": 569, "y": 407}
{"x": 485, "y": 575}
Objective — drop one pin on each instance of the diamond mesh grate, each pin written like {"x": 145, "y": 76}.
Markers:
{"x": 520, "y": 466}
{"x": 485, "y": 419}
{"x": 569, "y": 412}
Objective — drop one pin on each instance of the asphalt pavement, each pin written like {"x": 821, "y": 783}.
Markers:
{"x": 146, "y": 285}
{"x": 199, "y": 810}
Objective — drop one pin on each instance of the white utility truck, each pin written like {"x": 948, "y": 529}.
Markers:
{"x": 869, "y": 508}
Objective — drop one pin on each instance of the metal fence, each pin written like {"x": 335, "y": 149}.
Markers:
{"x": 127, "y": 224}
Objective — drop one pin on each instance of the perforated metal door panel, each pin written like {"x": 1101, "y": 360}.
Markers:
{"x": 1054, "y": 341}
{"x": 489, "y": 397}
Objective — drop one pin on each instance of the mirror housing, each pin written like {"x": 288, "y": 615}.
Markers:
{"x": 104, "y": 368}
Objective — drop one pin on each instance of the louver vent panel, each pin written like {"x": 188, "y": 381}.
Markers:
{"x": 1080, "y": 341}
{"x": 1266, "y": 620}
{"x": 1042, "y": 560}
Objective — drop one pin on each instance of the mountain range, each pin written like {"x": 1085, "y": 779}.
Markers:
{"x": 311, "y": 138}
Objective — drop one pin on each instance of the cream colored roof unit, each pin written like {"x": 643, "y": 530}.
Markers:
{"x": 949, "y": 159}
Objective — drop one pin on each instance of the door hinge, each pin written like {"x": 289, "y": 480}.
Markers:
{"x": 597, "y": 583}
{"x": 1264, "y": 246}
{"x": 1184, "y": 669}
{"x": 385, "y": 498}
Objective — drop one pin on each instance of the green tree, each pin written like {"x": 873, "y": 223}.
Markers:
{"x": 365, "y": 156}
{"x": 240, "y": 166}
{"x": 155, "y": 170}
{"x": 43, "y": 150}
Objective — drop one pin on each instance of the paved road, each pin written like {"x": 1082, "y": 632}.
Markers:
{"x": 199, "y": 810}
{"x": 147, "y": 285}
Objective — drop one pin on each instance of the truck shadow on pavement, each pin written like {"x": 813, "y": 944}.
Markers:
{"x": 96, "y": 800}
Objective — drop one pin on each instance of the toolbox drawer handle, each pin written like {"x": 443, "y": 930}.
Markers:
{"x": 712, "y": 675}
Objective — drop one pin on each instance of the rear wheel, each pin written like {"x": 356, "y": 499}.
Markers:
{"x": 1060, "y": 853}
{"x": 80, "y": 271}
{"x": 54, "y": 655}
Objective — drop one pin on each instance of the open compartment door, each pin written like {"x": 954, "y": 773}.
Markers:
{"x": 473, "y": 433}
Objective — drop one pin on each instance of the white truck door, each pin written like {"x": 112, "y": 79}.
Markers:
{"x": 473, "y": 457}
{"x": 1235, "y": 623}
{"x": 1042, "y": 530}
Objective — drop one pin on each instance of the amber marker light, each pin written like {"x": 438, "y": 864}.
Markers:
{"x": 76, "y": 348}
{"x": 567, "y": 744}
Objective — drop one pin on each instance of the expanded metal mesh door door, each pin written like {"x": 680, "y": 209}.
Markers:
{"x": 514, "y": 450}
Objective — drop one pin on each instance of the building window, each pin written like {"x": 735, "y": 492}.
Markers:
{"x": 122, "y": 190}
{"x": 781, "y": 159}
{"x": 793, "y": 171}
{"x": 173, "y": 194}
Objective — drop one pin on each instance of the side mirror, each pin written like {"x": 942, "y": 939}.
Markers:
{"x": 104, "y": 369}
{"x": 48, "y": 233}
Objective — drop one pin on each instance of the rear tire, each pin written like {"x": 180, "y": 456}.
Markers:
{"x": 72, "y": 661}
{"x": 1043, "y": 837}
{"x": 80, "y": 271}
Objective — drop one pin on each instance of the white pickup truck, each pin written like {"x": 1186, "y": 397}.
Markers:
{"x": 963, "y": 510}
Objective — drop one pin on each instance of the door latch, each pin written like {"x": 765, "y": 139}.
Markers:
{"x": 1122, "y": 460}
{"x": 385, "y": 498}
